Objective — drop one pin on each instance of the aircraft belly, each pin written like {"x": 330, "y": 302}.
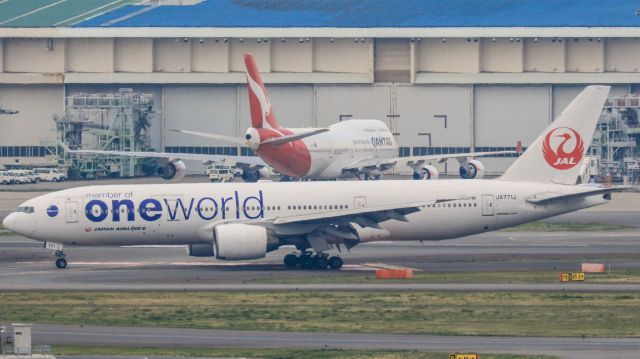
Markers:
{"x": 121, "y": 234}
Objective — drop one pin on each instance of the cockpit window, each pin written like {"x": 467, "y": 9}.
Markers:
{"x": 25, "y": 209}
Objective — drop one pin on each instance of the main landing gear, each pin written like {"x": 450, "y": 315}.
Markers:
{"x": 311, "y": 260}
{"x": 61, "y": 262}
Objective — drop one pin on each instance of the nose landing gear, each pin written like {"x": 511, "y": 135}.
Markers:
{"x": 311, "y": 260}
{"x": 61, "y": 262}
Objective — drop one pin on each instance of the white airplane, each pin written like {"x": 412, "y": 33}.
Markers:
{"x": 351, "y": 148}
{"x": 239, "y": 221}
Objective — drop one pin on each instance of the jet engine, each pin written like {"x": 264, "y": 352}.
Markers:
{"x": 253, "y": 175}
{"x": 237, "y": 241}
{"x": 472, "y": 169}
{"x": 427, "y": 172}
{"x": 173, "y": 170}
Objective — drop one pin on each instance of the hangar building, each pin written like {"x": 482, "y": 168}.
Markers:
{"x": 445, "y": 75}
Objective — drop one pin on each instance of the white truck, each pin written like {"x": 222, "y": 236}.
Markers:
{"x": 6, "y": 177}
{"x": 219, "y": 173}
{"x": 590, "y": 170}
{"x": 50, "y": 174}
{"x": 21, "y": 177}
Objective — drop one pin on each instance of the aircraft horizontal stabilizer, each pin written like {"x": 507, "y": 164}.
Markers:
{"x": 213, "y": 136}
{"x": 549, "y": 198}
{"x": 293, "y": 137}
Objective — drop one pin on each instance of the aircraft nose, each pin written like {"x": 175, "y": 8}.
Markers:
{"x": 8, "y": 222}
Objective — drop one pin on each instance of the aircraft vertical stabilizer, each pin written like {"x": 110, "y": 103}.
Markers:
{"x": 556, "y": 155}
{"x": 261, "y": 114}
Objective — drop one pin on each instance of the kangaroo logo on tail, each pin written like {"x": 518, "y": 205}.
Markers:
{"x": 556, "y": 143}
{"x": 261, "y": 114}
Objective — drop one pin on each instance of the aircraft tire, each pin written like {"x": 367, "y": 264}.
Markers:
{"x": 61, "y": 263}
{"x": 335, "y": 262}
{"x": 306, "y": 262}
{"x": 320, "y": 262}
{"x": 291, "y": 260}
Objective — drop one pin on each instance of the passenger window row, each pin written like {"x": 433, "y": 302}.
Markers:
{"x": 451, "y": 205}
{"x": 316, "y": 207}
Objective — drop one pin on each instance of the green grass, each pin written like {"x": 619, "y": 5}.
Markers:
{"x": 503, "y": 277}
{"x": 68, "y": 350}
{"x": 443, "y": 313}
{"x": 542, "y": 226}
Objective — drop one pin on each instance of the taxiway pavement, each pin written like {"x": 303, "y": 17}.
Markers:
{"x": 570, "y": 347}
{"x": 26, "y": 265}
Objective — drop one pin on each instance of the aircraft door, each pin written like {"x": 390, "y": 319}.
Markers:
{"x": 359, "y": 202}
{"x": 71, "y": 211}
{"x": 487, "y": 205}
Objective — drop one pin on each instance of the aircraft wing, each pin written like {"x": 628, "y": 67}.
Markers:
{"x": 335, "y": 226}
{"x": 240, "y": 161}
{"x": 383, "y": 164}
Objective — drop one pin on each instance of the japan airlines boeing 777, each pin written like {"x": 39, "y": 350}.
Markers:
{"x": 234, "y": 221}
{"x": 351, "y": 148}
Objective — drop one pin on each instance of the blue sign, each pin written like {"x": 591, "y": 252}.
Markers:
{"x": 52, "y": 211}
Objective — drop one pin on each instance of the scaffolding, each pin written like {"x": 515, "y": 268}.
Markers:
{"x": 617, "y": 139}
{"x": 106, "y": 122}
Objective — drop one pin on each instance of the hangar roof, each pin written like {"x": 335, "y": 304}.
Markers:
{"x": 45, "y": 13}
{"x": 375, "y": 14}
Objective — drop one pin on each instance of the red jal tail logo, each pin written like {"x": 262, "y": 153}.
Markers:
{"x": 562, "y": 148}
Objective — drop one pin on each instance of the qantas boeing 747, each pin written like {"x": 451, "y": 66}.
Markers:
{"x": 354, "y": 148}
{"x": 238, "y": 221}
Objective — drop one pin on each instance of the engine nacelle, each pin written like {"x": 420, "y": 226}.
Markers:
{"x": 253, "y": 175}
{"x": 237, "y": 241}
{"x": 426, "y": 172}
{"x": 173, "y": 170}
{"x": 472, "y": 169}
{"x": 200, "y": 250}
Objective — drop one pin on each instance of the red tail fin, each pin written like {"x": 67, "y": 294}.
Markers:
{"x": 261, "y": 114}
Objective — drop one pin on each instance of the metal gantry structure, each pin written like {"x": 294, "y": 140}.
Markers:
{"x": 617, "y": 139}
{"x": 107, "y": 122}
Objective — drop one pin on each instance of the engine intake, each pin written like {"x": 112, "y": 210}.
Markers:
{"x": 253, "y": 175}
{"x": 173, "y": 170}
{"x": 427, "y": 172}
{"x": 472, "y": 169}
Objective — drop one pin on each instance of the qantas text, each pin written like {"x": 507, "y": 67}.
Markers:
{"x": 176, "y": 208}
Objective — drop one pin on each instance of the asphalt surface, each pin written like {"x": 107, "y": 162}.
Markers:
{"x": 25, "y": 265}
{"x": 167, "y": 337}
